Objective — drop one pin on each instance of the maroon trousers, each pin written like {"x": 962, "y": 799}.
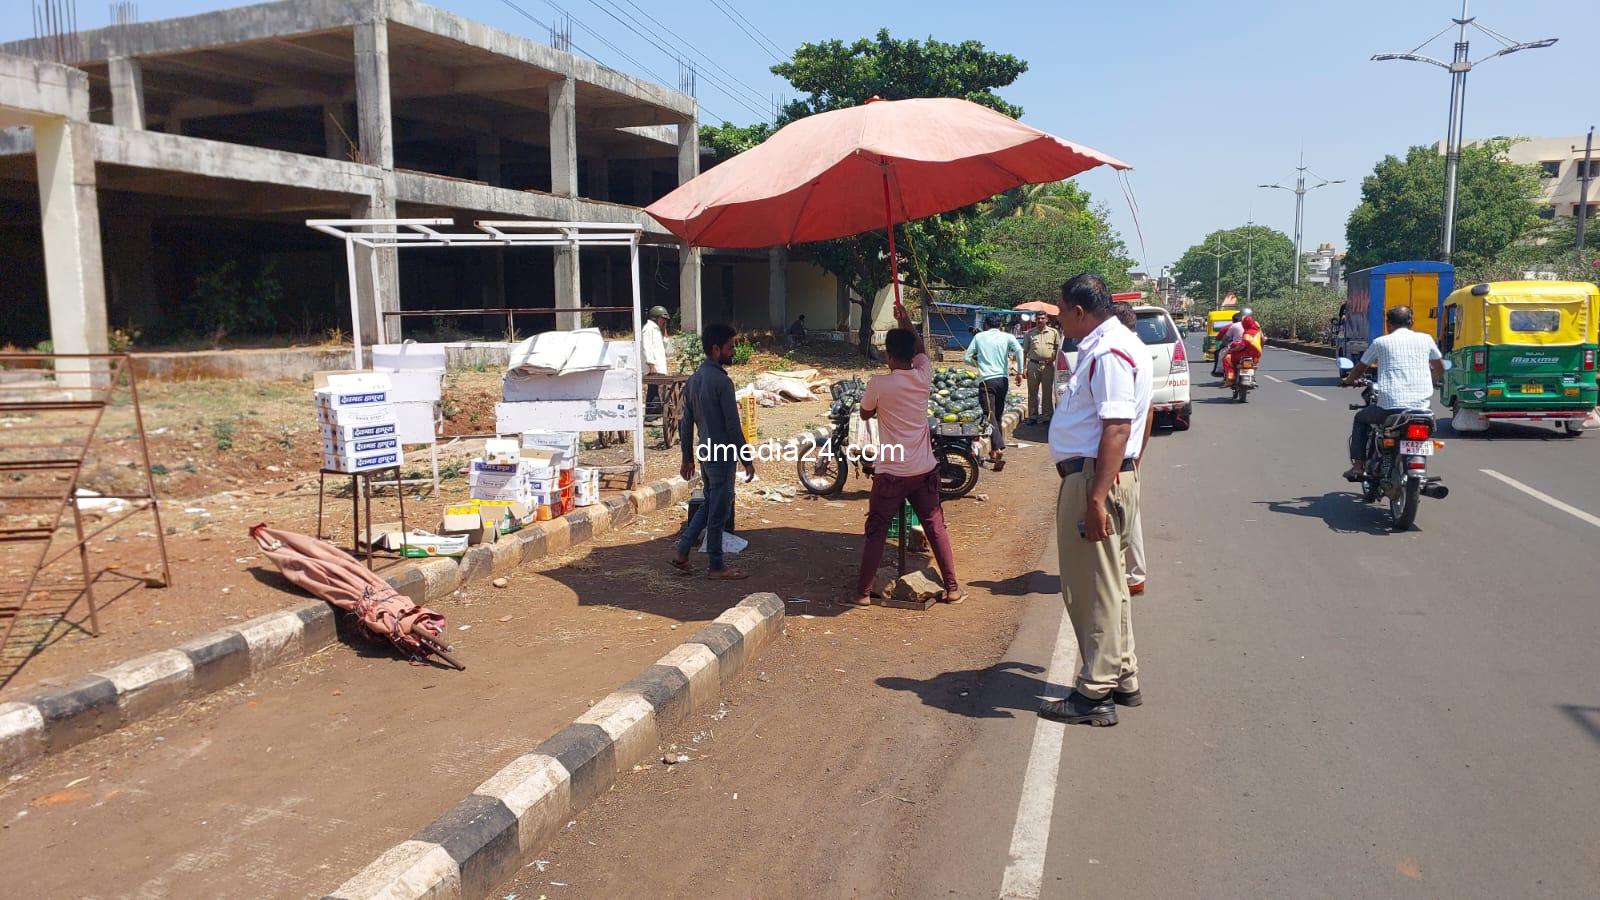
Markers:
{"x": 889, "y": 493}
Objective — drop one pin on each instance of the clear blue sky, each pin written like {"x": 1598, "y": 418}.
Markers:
{"x": 1205, "y": 100}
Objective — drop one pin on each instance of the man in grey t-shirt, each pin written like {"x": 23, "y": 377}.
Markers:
{"x": 1409, "y": 366}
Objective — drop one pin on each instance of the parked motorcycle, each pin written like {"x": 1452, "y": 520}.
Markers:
{"x": 824, "y": 467}
{"x": 1396, "y": 461}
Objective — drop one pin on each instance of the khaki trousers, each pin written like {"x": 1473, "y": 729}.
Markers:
{"x": 1041, "y": 388}
{"x": 1094, "y": 585}
{"x": 1133, "y": 545}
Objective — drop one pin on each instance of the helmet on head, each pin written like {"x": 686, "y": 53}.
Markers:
{"x": 658, "y": 312}
{"x": 1247, "y": 312}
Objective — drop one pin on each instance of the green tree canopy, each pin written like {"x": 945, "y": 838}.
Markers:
{"x": 1034, "y": 253}
{"x": 835, "y": 75}
{"x": 1402, "y": 207}
{"x": 1263, "y": 260}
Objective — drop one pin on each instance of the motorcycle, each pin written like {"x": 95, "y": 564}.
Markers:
{"x": 825, "y": 465}
{"x": 1396, "y": 460}
{"x": 1244, "y": 379}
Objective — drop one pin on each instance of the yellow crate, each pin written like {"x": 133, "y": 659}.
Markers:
{"x": 747, "y": 417}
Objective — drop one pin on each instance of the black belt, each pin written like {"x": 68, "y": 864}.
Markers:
{"x": 1075, "y": 465}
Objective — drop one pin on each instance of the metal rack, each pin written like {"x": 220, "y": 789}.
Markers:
{"x": 52, "y": 409}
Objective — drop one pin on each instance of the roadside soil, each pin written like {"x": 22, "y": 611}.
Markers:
{"x": 829, "y": 750}
{"x": 229, "y": 454}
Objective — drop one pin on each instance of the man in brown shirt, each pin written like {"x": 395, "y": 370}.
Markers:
{"x": 1043, "y": 343}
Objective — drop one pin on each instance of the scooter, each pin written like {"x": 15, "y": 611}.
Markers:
{"x": 1396, "y": 462}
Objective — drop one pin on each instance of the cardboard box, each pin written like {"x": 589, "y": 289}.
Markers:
{"x": 359, "y": 446}
{"x": 545, "y": 484}
{"x": 494, "y": 468}
{"x": 563, "y": 442}
{"x": 383, "y": 459}
{"x": 340, "y": 417}
{"x": 350, "y": 380}
{"x": 542, "y": 463}
{"x": 340, "y": 434}
{"x": 501, "y": 450}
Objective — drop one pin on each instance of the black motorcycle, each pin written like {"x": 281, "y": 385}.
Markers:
{"x": 1396, "y": 461}
{"x": 824, "y": 466}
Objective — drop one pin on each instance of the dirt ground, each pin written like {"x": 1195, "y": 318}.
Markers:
{"x": 288, "y": 784}
{"x": 229, "y": 454}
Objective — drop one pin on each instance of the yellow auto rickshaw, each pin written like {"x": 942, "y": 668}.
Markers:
{"x": 1216, "y": 320}
{"x": 1520, "y": 350}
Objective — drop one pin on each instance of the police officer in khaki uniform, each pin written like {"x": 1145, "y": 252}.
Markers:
{"x": 1095, "y": 436}
{"x": 1043, "y": 343}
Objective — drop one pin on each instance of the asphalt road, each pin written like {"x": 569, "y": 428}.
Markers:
{"x": 1331, "y": 709}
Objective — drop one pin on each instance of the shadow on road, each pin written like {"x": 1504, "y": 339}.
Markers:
{"x": 1034, "y": 582}
{"x": 1314, "y": 381}
{"x": 1586, "y": 717}
{"x": 1502, "y": 431}
{"x": 996, "y": 692}
{"x": 1341, "y": 511}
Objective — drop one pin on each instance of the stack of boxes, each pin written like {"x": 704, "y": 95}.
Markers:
{"x": 357, "y": 420}
{"x": 552, "y": 470}
{"x": 535, "y": 481}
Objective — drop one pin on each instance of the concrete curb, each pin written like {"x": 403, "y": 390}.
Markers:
{"x": 51, "y": 719}
{"x": 483, "y": 839}
{"x": 1302, "y": 346}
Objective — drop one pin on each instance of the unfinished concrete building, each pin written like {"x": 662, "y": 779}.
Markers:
{"x": 203, "y": 143}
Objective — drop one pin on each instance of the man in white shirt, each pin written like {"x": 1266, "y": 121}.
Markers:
{"x": 653, "y": 341}
{"x": 1409, "y": 366}
{"x": 1096, "y": 434}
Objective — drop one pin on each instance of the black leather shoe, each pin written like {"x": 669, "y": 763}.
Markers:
{"x": 1127, "y": 698}
{"x": 1080, "y": 710}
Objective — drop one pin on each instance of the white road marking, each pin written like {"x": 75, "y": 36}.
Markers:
{"x": 1271, "y": 379}
{"x": 1311, "y": 395}
{"x": 1030, "y": 836}
{"x": 1542, "y": 496}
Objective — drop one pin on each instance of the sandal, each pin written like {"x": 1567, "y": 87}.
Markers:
{"x": 997, "y": 461}
{"x": 953, "y": 597}
{"x": 863, "y": 600}
{"x": 682, "y": 565}
{"x": 727, "y": 574}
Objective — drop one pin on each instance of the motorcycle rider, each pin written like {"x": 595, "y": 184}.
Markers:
{"x": 1247, "y": 346}
{"x": 1409, "y": 367}
{"x": 1225, "y": 339}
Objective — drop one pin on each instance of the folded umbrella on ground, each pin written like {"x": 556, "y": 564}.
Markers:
{"x": 335, "y": 576}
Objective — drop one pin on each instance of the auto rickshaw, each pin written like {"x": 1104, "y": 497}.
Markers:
{"x": 1216, "y": 320}
{"x": 1520, "y": 350}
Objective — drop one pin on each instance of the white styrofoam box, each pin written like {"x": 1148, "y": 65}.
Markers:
{"x": 339, "y": 434}
{"x": 609, "y": 384}
{"x": 501, "y": 450}
{"x": 359, "y": 446}
{"x": 566, "y": 415}
{"x": 384, "y": 459}
{"x": 416, "y": 387}
{"x": 416, "y": 422}
{"x": 563, "y": 442}
{"x": 376, "y": 414}
{"x": 397, "y": 357}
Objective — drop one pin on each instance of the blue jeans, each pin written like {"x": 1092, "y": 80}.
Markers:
{"x": 712, "y": 516}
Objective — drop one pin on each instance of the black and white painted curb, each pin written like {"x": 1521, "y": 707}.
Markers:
{"x": 480, "y": 842}
{"x": 51, "y": 719}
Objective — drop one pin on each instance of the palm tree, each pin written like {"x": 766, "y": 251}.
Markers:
{"x": 1052, "y": 200}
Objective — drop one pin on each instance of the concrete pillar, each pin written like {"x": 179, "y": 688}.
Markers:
{"x": 70, "y": 214}
{"x": 778, "y": 288}
{"x": 375, "y": 125}
{"x": 564, "y": 183}
{"x": 489, "y": 160}
{"x": 339, "y": 131}
{"x": 127, "y": 92}
{"x": 689, "y": 257}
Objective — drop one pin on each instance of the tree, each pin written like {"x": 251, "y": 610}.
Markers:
{"x": 1263, "y": 260}
{"x": 835, "y": 75}
{"x": 1402, "y": 207}
{"x": 1034, "y": 255}
{"x": 1038, "y": 201}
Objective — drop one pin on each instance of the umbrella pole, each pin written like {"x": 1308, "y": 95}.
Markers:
{"x": 894, "y": 260}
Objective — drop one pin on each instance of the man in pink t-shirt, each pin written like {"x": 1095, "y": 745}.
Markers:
{"x": 906, "y": 470}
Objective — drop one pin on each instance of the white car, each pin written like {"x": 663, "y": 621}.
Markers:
{"x": 1169, "y": 400}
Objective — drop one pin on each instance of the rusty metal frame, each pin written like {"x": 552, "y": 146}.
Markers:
{"x": 101, "y": 374}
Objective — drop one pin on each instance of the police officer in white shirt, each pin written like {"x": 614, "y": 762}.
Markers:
{"x": 1095, "y": 435}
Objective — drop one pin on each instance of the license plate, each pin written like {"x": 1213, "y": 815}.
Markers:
{"x": 1416, "y": 448}
{"x": 1532, "y": 389}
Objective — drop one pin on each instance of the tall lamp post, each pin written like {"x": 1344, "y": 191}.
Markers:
{"x": 1458, "y": 68}
{"x": 1249, "y": 260}
{"x": 1300, "y": 190}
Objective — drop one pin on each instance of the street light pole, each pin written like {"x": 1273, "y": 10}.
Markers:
{"x": 1249, "y": 260}
{"x": 1300, "y": 190}
{"x": 1458, "y": 67}
{"x": 1583, "y": 190}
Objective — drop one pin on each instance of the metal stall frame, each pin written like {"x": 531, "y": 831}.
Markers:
{"x": 398, "y": 234}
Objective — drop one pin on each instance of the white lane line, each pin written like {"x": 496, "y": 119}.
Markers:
{"x": 1030, "y": 836}
{"x": 1271, "y": 379}
{"x": 1311, "y": 395}
{"x": 1542, "y": 496}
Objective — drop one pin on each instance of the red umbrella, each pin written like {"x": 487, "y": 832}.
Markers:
{"x": 1038, "y": 306}
{"x": 854, "y": 170}
{"x": 330, "y": 573}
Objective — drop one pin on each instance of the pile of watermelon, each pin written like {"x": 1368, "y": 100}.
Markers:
{"x": 954, "y": 397}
